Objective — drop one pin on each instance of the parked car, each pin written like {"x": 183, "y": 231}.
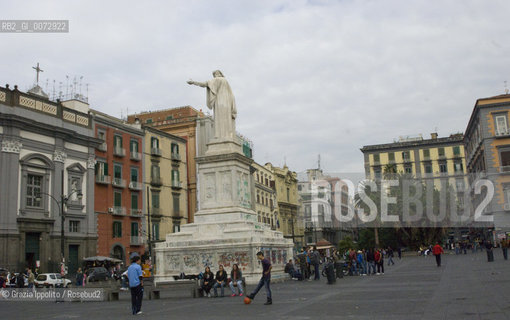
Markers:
{"x": 98, "y": 274}
{"x": 51, "y": 280}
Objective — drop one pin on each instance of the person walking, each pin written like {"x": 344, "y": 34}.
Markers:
{"x": 379, "y": 261}
{"x": 504, "y": 248}
{"x": 79, "y": 278}
{"x": 390, "y": 256}
{"x": 437, "y": 250}
{"x": 490, "y": 253}
{"x": 135, "y": 276}
{"x": 316, "y": 260}
{"x": 265, "y": 280}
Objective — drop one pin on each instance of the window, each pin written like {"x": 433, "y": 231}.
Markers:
{"x": 460, "y": 185}
{"x": 169, "y": 117}
{"x": 456, "y": 150}
{"x": 177, "y": 207}
{"x": 428, "y": 167}
{"x": 34, "y": 189}
{"x": 505, "y": 160}
{"x": 177, "y": 227}
{"x": 155, "y": 199}
{"x": 288, "y": 195}
{"x": 377, "y": 158}
{"x": 148, "y": 120}
{"x": 175, "y": 148}
{"x": 74, "y": 226}
{"x": 258, "y": 198}
{"x": 426, "y": 153}
{"x": 377, "y": 172}
{"x": 155, "y": 231}
{"x": 154, "y": 143}
{"x": 501, "y": 125}
{"x": 117, "y": 199}
{"x": 117, "y": 142}
{"x": 134, "y": 200}
{"x": 117, "y": 229}
{"x": 101, "y": 135}
{"x": 155, "y": 172}
{"x": 406, "y": 155}
{"x": 133, "y": 146}
{"x": 134, "y": 229}
{"x": 175, "y": 178}
{"x": 458, "y": 167}
{"x": 440, "y": 152}
{"x": 117, "y": 171}
{"x": 134, "y": 174}
{"x": 408, "y": 169}
{"x": 391, "y": 156}
{"x": 443, "y": 167}
{"x": 101, "y": 168}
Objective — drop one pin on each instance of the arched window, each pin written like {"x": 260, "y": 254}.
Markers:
{"x": 35, "y": 178}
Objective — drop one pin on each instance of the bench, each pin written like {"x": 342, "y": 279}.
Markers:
{"x": 201, "y": 282}
{"x": 111, "y": 289}
{"x": 187, "y": 284}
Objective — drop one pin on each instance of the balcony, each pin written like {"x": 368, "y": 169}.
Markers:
{"x": 156, "y": 181}
{"x": 103, "y": 147}
{"x": 176, "y": 156}
{"x": 502, "y": 133}
{"x": 156, "y": 152}
{"x": 135, "y": 185}
{"x": 119, "y": 183}
{"x": 136, "y": 240}
{"x": 176, "y": 185}
{"x": 119, "y": 152}
{"x": 136, "y": 156}
{"x": 155, "y": 211}
{"x": 102, "y": 179}
{"x": 118, "y": 211}
{"x": 135, "y": 212}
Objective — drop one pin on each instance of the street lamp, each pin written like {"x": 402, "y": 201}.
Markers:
{"x": 60, "y": 206}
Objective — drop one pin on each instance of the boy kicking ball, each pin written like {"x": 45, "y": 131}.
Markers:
{"x": 265, "y": 280}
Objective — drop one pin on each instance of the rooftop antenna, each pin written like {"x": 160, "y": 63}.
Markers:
{"x": 37, "y": 70}
{"x": 74, "y": 87}
{"x": 284, "y": 161}
{"x": 47, "y": 84}
{"x": 506, "y": 88}
{"x": 67, "y": 86}
{"x": 87, "y": 85}
{"x": 81, "y": 78}
{"x": 54, "y": 90}
{"x": 319, "y": 162}
{"x": 60, "y": 90}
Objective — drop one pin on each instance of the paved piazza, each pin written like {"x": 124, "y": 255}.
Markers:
{"x": 465, "y": 287}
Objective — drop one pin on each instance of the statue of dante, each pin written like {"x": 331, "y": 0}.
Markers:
{"x": 221, "y": 100}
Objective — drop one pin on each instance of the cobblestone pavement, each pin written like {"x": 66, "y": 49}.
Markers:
{"x": 465, "y": 287}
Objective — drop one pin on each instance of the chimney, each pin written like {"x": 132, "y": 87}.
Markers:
{"x": 137, "y": 120}
{"x": 433, "y": 135}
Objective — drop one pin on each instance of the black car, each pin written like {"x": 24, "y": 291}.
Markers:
{"x": 98, "y": 274}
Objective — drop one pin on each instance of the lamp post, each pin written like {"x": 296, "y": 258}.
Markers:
{"x": 60, "y": 206}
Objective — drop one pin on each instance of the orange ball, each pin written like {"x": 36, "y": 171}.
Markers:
{"x": 247, "y": 300}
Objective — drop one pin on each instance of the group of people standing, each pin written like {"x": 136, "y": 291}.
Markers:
{"x": 369, "y": 262}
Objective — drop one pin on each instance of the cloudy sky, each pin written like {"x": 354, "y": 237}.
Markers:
{"x": 309, "y": 77}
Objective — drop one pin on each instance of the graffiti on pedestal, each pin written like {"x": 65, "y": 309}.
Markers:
{"x": 190, "y": 260}
{"x": 276, "y": 256}
{"x": 173, "y": 262}
{"x": 206, "y": 259}
{"x": 228, "y": 259}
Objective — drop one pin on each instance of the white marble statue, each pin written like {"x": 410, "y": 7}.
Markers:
{"x": 221, "y": 100}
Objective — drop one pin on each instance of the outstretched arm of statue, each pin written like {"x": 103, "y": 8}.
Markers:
{"x": 196, "y": 83}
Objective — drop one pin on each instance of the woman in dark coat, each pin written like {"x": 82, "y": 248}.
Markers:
{"x": 208, "y": 282}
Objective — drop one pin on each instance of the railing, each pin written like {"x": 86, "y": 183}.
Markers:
{"x": 137, "y": 156}
{"x": 136, "y": 240}
{"x": 136, "y": 212}
{"x": 176, "y": 156}
{"x": 119, "y": 211}
{"x": 135, "y": 185}
{"x": 156, "y": 152}
{"x": 103, "y": 179}
{"x": 500, "y": 133}
{"x": 119, "y": 152}
{"x": 156, "y": 181}
{"x": 121, "y": 183}
{"x": 103, "y": 147}
{"x": 176, "y": 184}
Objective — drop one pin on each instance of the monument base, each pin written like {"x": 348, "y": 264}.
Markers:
{"x": 222, "y": 237}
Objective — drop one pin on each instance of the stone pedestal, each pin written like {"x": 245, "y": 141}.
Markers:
{"x": 226, "y": 230}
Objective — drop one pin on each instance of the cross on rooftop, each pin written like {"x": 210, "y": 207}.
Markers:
{"x": 37, "y": 69}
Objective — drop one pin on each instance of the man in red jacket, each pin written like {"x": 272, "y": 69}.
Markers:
{"x": 437, "y": 250}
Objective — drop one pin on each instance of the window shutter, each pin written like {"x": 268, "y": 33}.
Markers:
{"x": 105, "y": 169}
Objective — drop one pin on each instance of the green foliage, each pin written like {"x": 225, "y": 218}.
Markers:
{"x": 345, "y": 244}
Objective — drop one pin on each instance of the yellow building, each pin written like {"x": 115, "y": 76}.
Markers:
{"x": 287, "y": 199}
{"x": 434, "y": 158}
{"x": 265, "y": 196}
{"x": 487, "y": 140}
{"x": 166, "y": 178}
